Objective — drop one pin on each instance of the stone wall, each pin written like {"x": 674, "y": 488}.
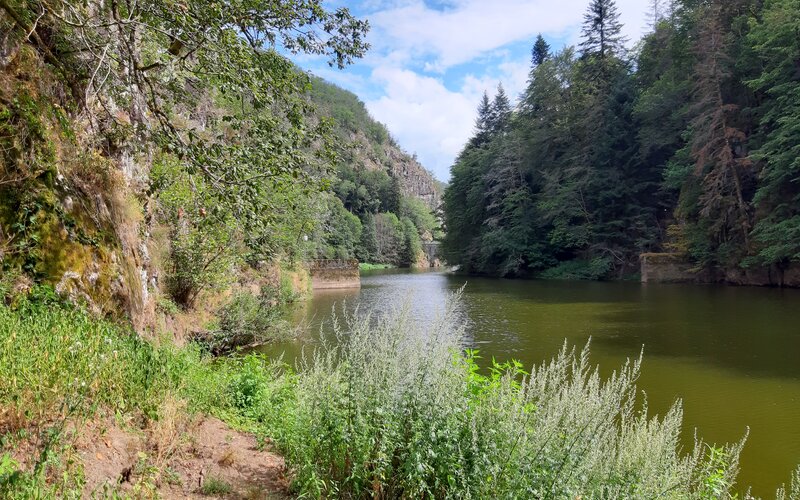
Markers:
{"x": 674, "y": 268}
{"x": 335, "y": 274}
{"x": 667, "y": 268}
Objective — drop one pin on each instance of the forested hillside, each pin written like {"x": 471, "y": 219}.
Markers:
{"x": 687, "y": 144}
{"x": 385, "y": 200}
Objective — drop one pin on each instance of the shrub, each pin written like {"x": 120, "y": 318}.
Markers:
{"x": 248, "y": 320}
{"x": 204, "y": 240}
{"x": 397, "y": 410}
{"x": 216, "y": 487}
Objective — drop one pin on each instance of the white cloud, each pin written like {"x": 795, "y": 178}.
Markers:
{"x": 424, "y": 116}
{"x": 474, "y": 27}
{"x": 429, "y": 119}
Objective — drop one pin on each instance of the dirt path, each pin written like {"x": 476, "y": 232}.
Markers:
{"x": 200, "y": 459}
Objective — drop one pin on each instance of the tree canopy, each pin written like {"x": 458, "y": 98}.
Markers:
{"x": 687, "y": 144}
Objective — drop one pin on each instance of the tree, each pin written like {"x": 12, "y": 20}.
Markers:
{"x": 464, "y": 204}
{"x": 602, "y": 30}
{"x": 134, "y": 71}
{"x": 342, "y": 231}
{"x": 389, "y": 238}
{"x": 656, "y": 13}
{"x": 718, "y": 145}
{"x": 412, "y": 245}
{"x": 367, "y": 250}
{"x": 482, "y": 123}
{"x": 499, "y": 112}
{"x": 541, "y": 51}
{"x": 775, "y": 40}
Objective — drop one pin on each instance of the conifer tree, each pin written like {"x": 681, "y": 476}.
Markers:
{"x": 482, "y": 122}
{"x": 602, "y": 30}
{"x": 775, "y": 39}
{"x": 540, "y": 52}
{"x": 500, "y": 112}
{"x": 655, "y": 13}
{"x": 718, "y": 146}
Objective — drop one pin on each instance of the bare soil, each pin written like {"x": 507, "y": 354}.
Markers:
{"x": 188, "y": 461}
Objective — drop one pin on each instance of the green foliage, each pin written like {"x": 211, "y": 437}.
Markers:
{"x": 248, "y": 319}
{"x": 367, "y": 250}
{"x": 412, "y": 246}
{"x": 394, "y": 407}
{"x": 389, "y": 238}
{"x": 348, "y": 111}
{"x": 420, "y": 214}
{"x": 227, "y": 117}
{"x": 52, "y": 355}
{"x": 203, "y": 238}
{"x": 541, "y": 51}
{"x": 365, "y": 191}
{"x": 774, "y": 39}
{"x": 341, "y": 232}
{"x": 178, "y": 53}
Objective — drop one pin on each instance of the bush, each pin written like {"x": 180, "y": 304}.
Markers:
{"x": 248, "y": 320}
{"x": 204, "y": 240}
{"x": 397, "y": 410}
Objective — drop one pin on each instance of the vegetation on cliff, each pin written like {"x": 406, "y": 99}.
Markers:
{"x": 387, "y": 198}
{"x": 686, "y": 144}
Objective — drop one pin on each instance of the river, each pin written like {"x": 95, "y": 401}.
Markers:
{"x": 732, "y": 355}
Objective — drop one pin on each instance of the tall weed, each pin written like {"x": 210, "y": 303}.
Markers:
{"x": 396, "y": 409}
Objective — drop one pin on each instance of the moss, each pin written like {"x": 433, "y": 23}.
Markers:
{"x": 44, "y": 237}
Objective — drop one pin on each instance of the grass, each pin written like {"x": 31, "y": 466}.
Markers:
{"x": 391, "y": 409}
{"x": 215, "y": 487}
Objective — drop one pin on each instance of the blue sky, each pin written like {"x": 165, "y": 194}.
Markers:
{"x": 430, "y": 61}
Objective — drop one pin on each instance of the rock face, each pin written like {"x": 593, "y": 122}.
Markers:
{"x": 415, "y": 180}
{"x": 335, "y": 274}
{"x": 370, "y": 145}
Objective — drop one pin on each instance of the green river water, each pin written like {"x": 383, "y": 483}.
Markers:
{"x": 732, "y": 355}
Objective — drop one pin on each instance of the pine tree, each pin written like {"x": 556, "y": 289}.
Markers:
{"x": 540, "y": 52}
{"x": 655, "y": 13}
{"x": 775, "y": 39}
{"x": 500, "y": 112}
{"x": 602, "y": 31}
{"x": 718, "y": 145}
{"x": 482, "y": 123}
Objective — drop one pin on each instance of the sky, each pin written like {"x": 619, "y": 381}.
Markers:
{"x": 431, "y": 60}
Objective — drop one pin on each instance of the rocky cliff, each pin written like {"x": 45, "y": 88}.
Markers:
{"x": 371, "y": 143}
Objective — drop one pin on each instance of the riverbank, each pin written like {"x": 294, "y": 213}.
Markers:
{"x": 89, "y": 408}
{"x": 393, "y": 408}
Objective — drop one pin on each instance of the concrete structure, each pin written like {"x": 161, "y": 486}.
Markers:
{"x": 334, "y": 274}
{"x": 667, "y": 268}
